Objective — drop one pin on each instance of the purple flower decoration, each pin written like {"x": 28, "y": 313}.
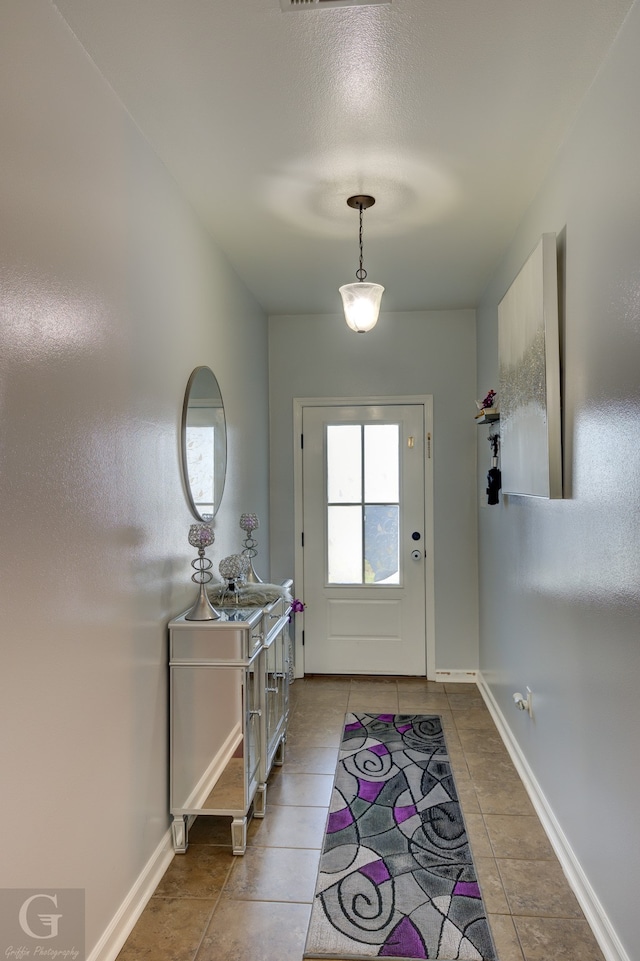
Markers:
{"x": 488, "y": 400}
{"x": 296, "y": 608}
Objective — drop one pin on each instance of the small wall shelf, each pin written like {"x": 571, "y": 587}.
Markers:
{"x": 488, "y": 416}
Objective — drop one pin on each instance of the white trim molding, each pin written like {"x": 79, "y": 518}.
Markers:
{"x": 456, "y": 676}
{"x": 211, "y": 776}
{"x": 594, "y": 912}
{"x": 124, "y": 920}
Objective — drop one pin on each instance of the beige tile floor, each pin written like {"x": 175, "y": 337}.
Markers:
{"x": 212, "y": 906}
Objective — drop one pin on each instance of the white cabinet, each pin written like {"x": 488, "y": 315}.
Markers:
{"x": 229, "y": 707}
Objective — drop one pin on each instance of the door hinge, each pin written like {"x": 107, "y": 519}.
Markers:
{"x": 302, "y": 539}
{"x": 301, "y": 441}
{"x": 303, "y": 638}
{"x": 429, "y": 446}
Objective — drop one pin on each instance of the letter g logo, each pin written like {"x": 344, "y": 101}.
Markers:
{"x": 49, "y": 921}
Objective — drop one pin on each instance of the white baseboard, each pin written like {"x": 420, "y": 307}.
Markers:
{"x": 213, "y": 772}
{"x": 456, "y": 677}
{"x": 122, "y": 924}
{"x": 594, "y": 912}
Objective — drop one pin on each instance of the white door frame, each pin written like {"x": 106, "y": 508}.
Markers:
{"x": 426, "y": 400}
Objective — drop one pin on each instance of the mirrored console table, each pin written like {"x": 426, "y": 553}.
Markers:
{"x": 229, "y": 707}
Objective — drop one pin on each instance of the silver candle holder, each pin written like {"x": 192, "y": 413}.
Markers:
{"x": 233, "y": 570}
{"x": 249, "y": 523}
{"x": 201, "y": 536}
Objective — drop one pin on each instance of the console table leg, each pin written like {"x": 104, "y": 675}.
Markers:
{"x": 180, "y": 832}
{"x": 239, "y": 835}
{"x": 260, "y": 801}
{"x": 278, "y": 758}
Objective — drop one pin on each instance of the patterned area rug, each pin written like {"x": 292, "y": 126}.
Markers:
{"x": 396, "y": 877}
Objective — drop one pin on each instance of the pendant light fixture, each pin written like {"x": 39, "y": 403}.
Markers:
{"x": 361, "y": 301}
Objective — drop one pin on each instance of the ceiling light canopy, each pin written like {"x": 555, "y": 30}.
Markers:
{"x": 361, "y": 301}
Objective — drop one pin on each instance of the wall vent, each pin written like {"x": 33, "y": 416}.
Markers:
{"x": 326, "y": 4}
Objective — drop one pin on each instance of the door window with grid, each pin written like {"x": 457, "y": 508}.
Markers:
{"x": 363, "y": 503}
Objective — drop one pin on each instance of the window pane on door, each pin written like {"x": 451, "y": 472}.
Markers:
{"x": 381, "y": 460}
{"x": 381, "y": 544}
{"x": 363, "y": 491}
{"x": 344, "y": 544}
{"x": 344, "y": 463}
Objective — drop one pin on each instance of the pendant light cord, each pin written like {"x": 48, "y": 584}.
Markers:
{"x": 361, "y": 272}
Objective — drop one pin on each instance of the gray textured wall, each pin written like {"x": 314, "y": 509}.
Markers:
{"x": 559, "y": 580}
{"x": 110, "y": 294}
{"x": 430, "y": 352}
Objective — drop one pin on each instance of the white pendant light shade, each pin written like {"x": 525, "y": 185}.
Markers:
{"x": 361, "y": 304}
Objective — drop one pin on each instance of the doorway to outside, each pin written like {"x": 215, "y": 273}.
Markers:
{"x": 364, "y": 535}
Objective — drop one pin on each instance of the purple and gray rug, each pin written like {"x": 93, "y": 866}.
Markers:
{"x": 396, "y": 876}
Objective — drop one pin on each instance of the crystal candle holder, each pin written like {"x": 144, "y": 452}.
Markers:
{"x": 201, "y": 536}
{"x": 249, "y": 523}
{"x": 233, "y": 570}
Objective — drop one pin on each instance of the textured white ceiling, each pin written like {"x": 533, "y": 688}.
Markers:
{"x": 447, "y": 111}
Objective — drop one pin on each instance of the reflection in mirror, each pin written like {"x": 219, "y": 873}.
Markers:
{"x": 204, "y": 443}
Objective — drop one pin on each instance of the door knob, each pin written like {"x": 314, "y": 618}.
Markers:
{"x": 416, "y": 555}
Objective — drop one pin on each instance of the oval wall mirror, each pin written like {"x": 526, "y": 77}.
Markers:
{"x": 204, "y": 443}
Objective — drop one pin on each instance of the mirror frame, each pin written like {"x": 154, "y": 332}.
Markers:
{"x": 218, "y": 486}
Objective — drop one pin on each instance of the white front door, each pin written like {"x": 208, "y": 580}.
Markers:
{"x": 363, "y": 488}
